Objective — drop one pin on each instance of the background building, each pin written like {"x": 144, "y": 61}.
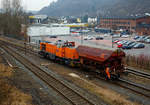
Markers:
{"x": 37, "y": 18}
{"x": 92, "y": 20}
{"x": 131, "y": 24}
{"x": 38, "y": 32}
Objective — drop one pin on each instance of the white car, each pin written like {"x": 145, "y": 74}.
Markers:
{"x": 85, "y": 38}
{"x": 116, "y": 35}
{"x": 90, "y": 37}
{"x": 106, "y": 35}
{"x": 125, "y": 36}
{"x": 85, "y": 31}
{"x": 147, "y": 40}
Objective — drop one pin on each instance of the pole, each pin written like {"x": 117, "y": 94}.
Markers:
{"x": 113, "y": 31}
{"x": 25, "y": 39}
{"x": 82, "y": 39}
{"x": 25, "y": 48}
{"x": 112, "y": 41}
{"x": 82, "y": 36}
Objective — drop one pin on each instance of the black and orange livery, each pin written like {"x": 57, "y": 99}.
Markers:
{"x": 106, "y": 62}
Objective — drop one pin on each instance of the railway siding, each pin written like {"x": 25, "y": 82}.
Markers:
{"x": 46, "y": 70}
{"x": 138, "y": 72}
{"x": 64, "y": 92}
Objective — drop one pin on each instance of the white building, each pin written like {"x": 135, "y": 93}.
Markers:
{"x": 37, "y": 32}
{"x": 92, "y": 20}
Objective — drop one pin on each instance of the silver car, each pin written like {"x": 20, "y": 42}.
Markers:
{"x": 147, "y": 40}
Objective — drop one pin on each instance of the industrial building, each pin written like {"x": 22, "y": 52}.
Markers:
{"x": 38, "y": 32}
{"x": 71, "y": 25}
{"x": 37, "y": 18}
{"x": 139, "y": 25}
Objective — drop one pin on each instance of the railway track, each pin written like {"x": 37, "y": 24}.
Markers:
{"x": 22, "y": 47}
{"x": 139, "y": 89}
{"x": 72, "y": 96}
{"x": 126, "y": 84}
{"x": 138, "y": 73}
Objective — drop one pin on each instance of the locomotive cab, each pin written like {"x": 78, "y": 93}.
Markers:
{"x": 42, "y": 49}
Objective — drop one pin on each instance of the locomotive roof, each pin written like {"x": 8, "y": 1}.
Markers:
{"x": 60, "y": 43}
{"x": 100, "y": 46}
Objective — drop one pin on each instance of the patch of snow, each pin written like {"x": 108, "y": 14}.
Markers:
{"x": 74, "y": 75}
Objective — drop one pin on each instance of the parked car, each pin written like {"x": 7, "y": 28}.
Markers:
{"x": 99, "y": 38}
{"x": 121, "y": 42}
{"x": 85, "y": 30}
{"x": 147, "y": 40}
{"x": 147, "y": 37}
{"x": 143, "y": 38}
{"x": 133, "y": 44}
{"x": 125, "y": 36}
{"x": 90, "y": 37}
{"x": 139, "y": 45}
{"x": 106, "y": 35}
{"x": 85, "y": 38}
{"x": 125, "y": 46}
{"x": 119, "y": 45}
{"x": 139, "y": 39}
{"x": 136, "y": 37}
{"x": 116, "y": 35}
{"x": 116, "y": 40}
{"x": 124, "y": 41}
{"x": 52, "y": 36}
{"x": 129, "y": 42}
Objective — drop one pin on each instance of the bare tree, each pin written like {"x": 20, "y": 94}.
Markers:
{"x": 6, "y": 6}
{"x": 13, "y": 16}
{"x": 16, "y": 7}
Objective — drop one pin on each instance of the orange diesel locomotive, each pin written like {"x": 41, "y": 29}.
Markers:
{"x": 63, "y": 52}
{"x": 106, "y": 62}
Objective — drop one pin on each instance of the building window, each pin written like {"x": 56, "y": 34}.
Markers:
{"x": 143, "y": 23}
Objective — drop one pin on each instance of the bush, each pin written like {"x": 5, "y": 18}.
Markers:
{"x": 141, "y": 62}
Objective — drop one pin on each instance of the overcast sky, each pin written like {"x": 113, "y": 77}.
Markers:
{"x": 35, "y": 5}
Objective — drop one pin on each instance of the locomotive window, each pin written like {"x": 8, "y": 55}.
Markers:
{"x": 43, "y": 47}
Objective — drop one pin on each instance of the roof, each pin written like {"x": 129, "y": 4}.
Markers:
{"x": 143, "y": 26}
{"x": 98, "y": 54}
{"x": 124, "y": 17}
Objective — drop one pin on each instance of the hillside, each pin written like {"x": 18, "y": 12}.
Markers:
{"x": 94, "y": 7}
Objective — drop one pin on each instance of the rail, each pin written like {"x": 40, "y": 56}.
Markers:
{"x": 138, "y": 73}
{"x": 67, "y": 92}
{"x": 141, "y": 89}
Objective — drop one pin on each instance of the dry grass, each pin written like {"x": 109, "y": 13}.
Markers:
{"x": 109, "y": 96}
{"x": 141, "y": 62}
{"x": 5, "y": 71}
{"x": 10, "y": 95}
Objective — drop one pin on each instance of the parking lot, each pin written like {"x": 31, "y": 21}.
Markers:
{"x": 105, "y": 43}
